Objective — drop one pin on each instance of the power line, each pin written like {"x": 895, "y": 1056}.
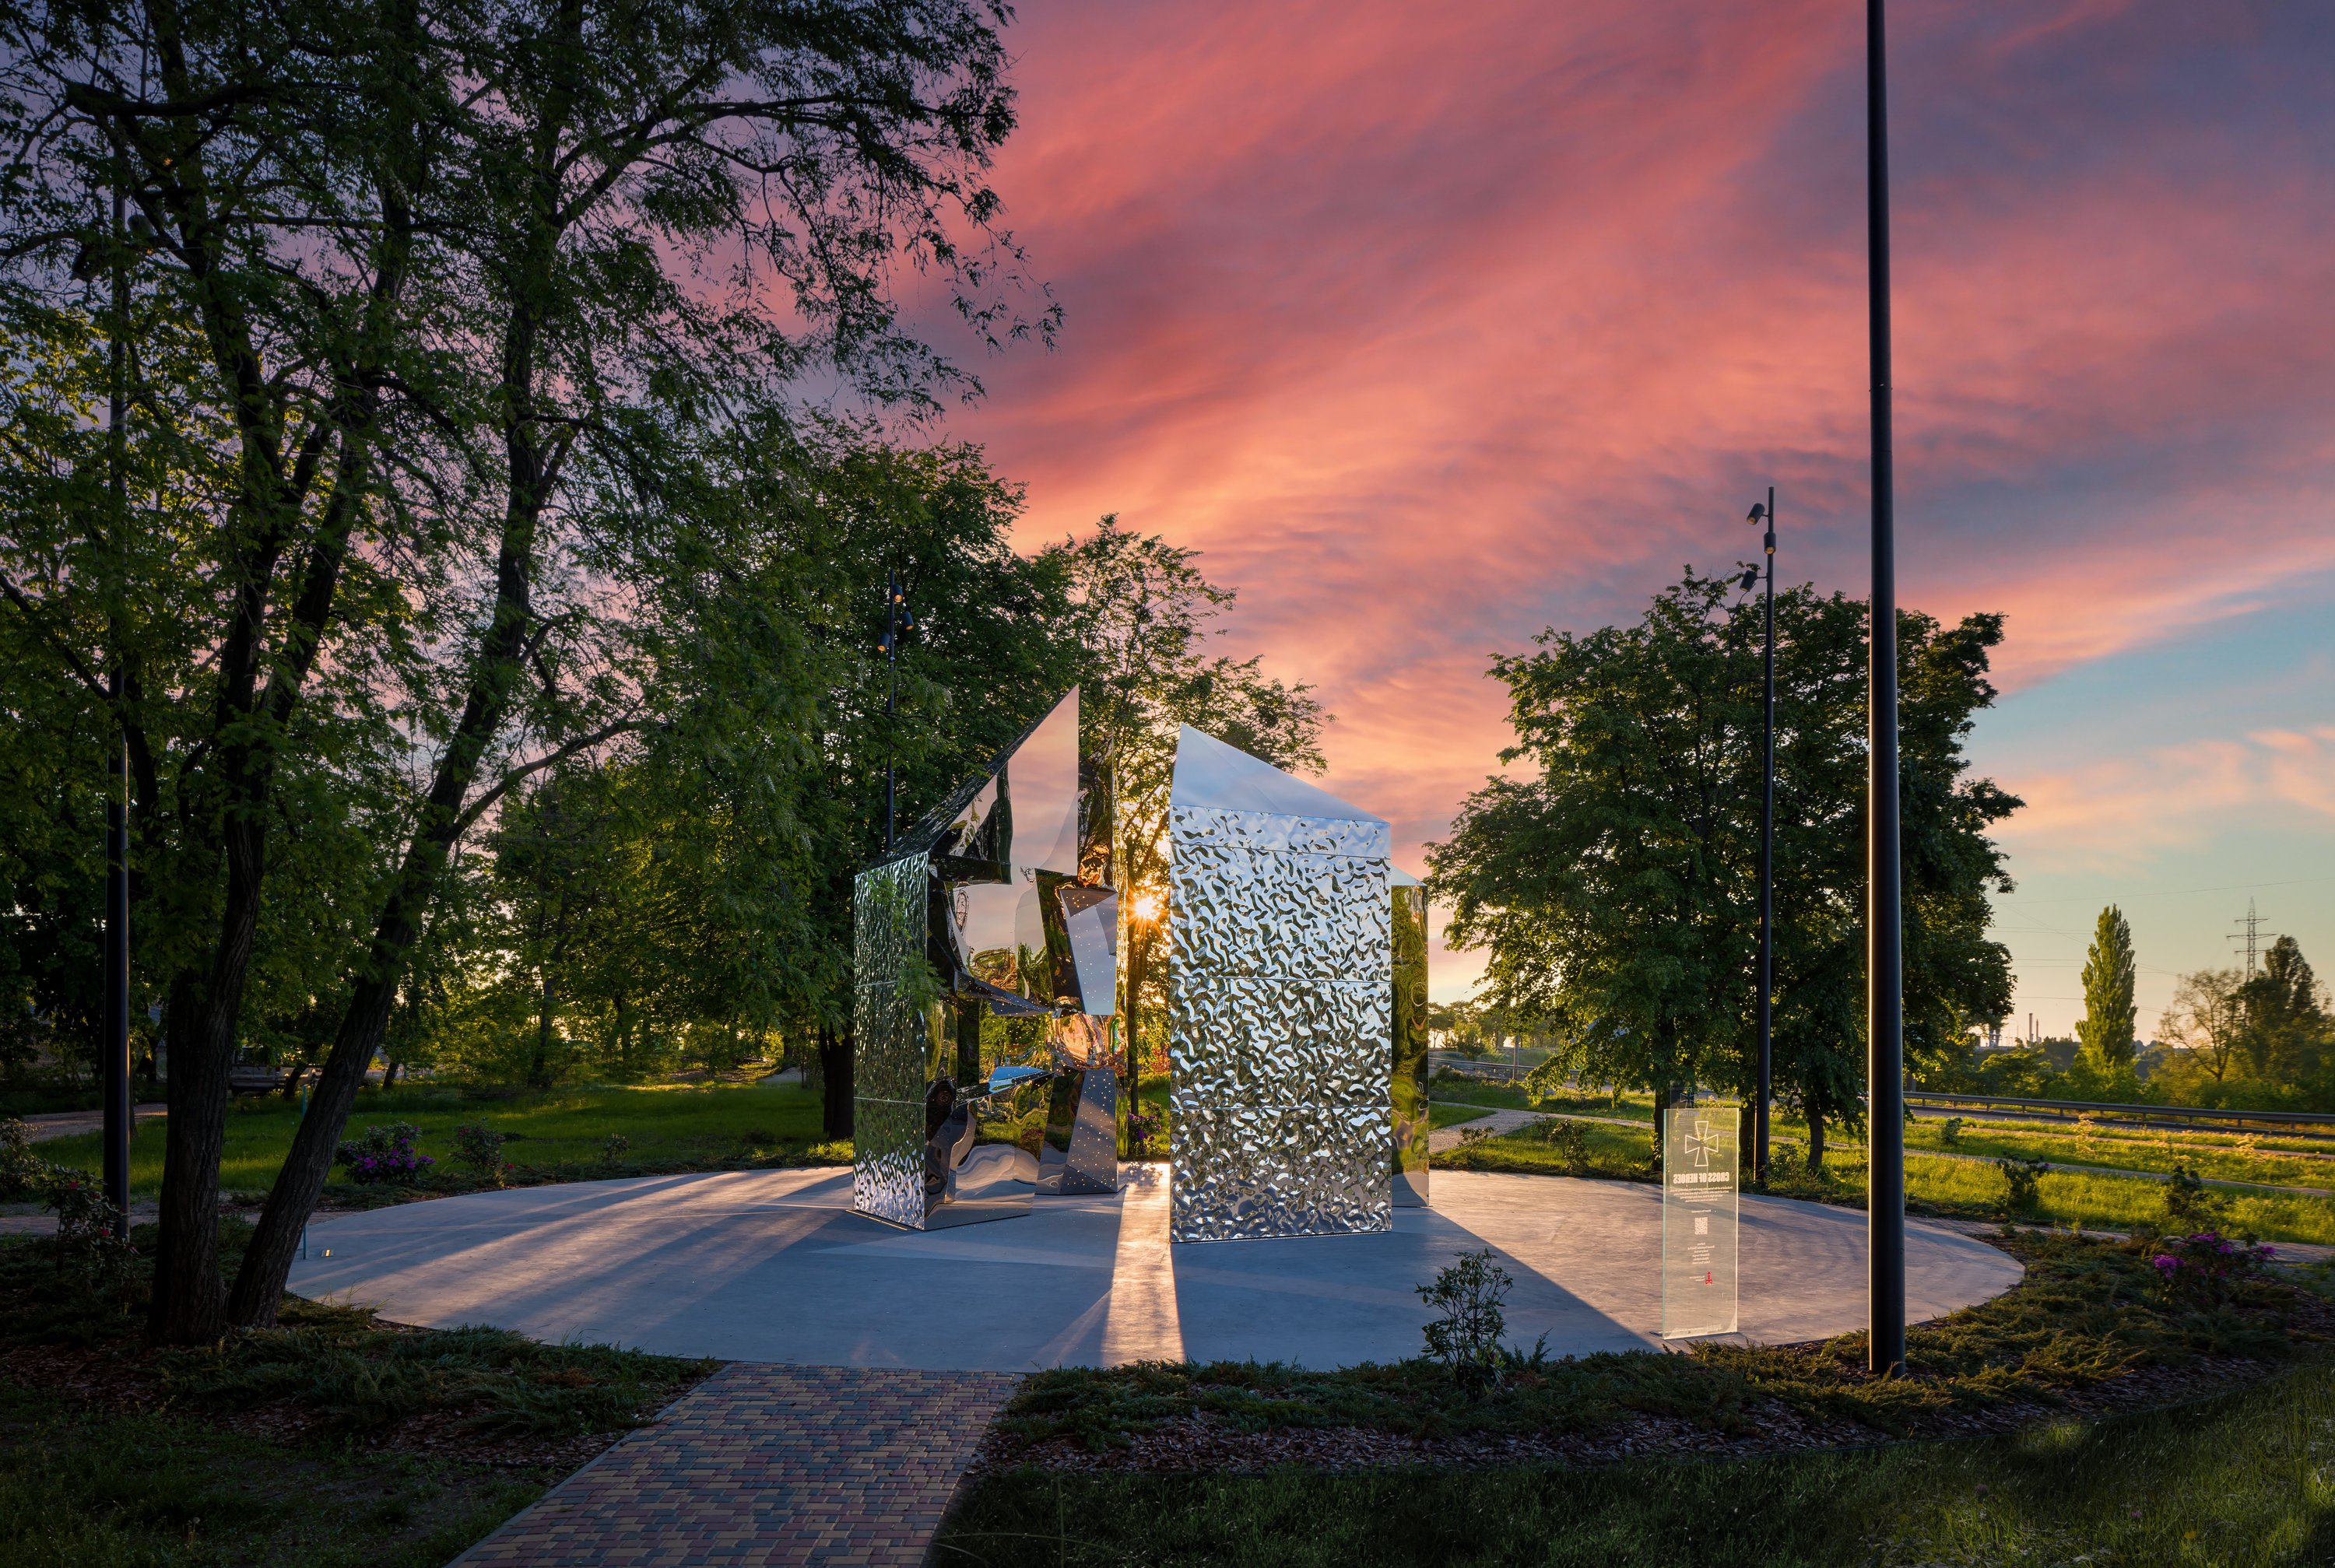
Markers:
{"x": 2182, "y": 892}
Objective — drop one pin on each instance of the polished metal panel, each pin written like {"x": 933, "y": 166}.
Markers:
{"x": 1281, "y": 1003}
{"x": 1081, "y": 1153}
{"x": 981, "y": 911}
{"x": 1407, "y": 1085}
{"x": 1091, "y": 917}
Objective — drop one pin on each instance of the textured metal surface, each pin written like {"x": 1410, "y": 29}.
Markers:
{"x": 1350, "y": 836}
{"x": 1301, "y": 1041}
{"x": 1248, "y": 1172}
{"x": 1280, "y": 1014}
{"x": 887, "y": 1164}
{"x": 1251, "y": 912}
{"x": 893, "y": 1040}
{"x": 1407, "y": 1085}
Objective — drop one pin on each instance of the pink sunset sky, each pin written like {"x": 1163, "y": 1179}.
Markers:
{"x": 1435, "y": 326}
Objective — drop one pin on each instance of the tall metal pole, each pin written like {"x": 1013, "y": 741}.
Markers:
{"x": 116, "y": 1077}
{"x": 1767, "y": 874}
{"x": 1885, "y": 1019}
{"x": 891, "y": 697}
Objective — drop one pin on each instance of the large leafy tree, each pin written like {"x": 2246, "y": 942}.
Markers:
{"x": 1613, "y": 883}
{"x": 431, "y": 316}
{"x": 2109, "y": 973}
{"x": 2286, "y": 1038}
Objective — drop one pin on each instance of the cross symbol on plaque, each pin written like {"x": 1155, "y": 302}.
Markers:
{"x": 1698, "y": 1142}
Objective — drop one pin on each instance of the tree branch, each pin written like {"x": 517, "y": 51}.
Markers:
{"x": 478, "y": 808}
{"x": 82, "y": 672}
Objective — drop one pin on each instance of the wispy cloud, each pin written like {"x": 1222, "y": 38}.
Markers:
{"x": 1435, "y": 326}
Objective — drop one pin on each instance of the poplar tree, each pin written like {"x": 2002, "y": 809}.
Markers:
{"x": 2106, "y": 1028}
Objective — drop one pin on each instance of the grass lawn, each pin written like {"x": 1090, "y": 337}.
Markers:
{"x": 2239, "y": 1480}
{"x": 554, "y": 1135}
{"x": 2220, "y": 1156}
{"x": 1953, "y": 1188}
{"x": 330, "y": 1439}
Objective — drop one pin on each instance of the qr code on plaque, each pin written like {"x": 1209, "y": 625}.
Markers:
{"x": 1702, "y": 1224}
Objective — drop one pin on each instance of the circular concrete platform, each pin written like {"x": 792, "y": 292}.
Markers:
{"x": 773, "y": 1266}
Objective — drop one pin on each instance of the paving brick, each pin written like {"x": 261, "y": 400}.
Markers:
{"x": 767, "y": 1467}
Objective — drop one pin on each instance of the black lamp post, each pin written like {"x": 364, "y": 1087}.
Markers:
{"x": 1767, "y": 1060}
{"x": 896, "y": 621}
{"x": 117, "y": 1115}
{"x": 1884, "y": 997}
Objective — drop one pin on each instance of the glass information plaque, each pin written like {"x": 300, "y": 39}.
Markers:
{"x": 1700, "y": 1167}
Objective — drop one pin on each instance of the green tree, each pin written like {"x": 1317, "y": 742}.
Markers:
{"x": 2284, "y": 1038}
{"x": 2106, "y": 1028}
{"x": 1614, "y": 884}
{"x": 434, "y": 315}
{"x": 2206, "y": 1025}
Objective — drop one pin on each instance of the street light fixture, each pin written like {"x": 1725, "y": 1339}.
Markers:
{"x": 1767, "y": 1058}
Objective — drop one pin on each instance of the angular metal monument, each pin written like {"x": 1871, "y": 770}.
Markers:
{"x": 998, "y": 903}
{"x": 1281, "y": 1004}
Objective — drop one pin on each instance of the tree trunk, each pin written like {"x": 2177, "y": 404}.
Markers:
{"x": 835, "y": 1097}
{"x": 190, "y": 1305}
{"x": 389, "y": 1074}
{"x": 538, "y": 1069}
{"x": 1815, "y": 1140}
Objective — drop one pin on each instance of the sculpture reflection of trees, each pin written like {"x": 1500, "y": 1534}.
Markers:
{"x": 1613, "y": 885}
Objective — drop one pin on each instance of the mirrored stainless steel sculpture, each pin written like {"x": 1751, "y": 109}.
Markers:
{"x": 1407, "y": 1083}
{"x": 1281, "y": 1003}
{"x": 998, "y": 904}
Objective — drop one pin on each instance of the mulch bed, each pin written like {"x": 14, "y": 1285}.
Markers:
{"x": 115, "y": 1381}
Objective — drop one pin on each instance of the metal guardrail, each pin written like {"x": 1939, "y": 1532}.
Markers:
{"x": 2188, "y": 1115}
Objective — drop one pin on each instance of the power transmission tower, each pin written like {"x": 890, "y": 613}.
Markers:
{"x": 2249, "y": 934}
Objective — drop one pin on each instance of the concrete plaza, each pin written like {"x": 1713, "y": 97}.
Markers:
{"x": 773, "y": 1267}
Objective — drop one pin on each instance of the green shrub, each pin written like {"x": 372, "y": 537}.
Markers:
{"x": 480, "y": 1148}
{"x": 2022, "y": 1181}
{"x": 23, "y": 1173}
{"x": 2190, "y": 1206}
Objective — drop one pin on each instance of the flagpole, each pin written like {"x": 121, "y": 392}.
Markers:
{"x": 1884, "y": 1015}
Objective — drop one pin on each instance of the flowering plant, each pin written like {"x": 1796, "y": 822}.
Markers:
{"x": 1142, "y": 1127}
{"x": 2204, "y": 1266}
{"x": 385, "y": 1154}
{"x": 480, "y": 1148}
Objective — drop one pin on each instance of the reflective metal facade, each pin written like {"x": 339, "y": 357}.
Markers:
{"x": 985, "y": 909}
{"x": 893, "y": 1042}
{"x": 1407, "y": 1085}
{"x": 1281, "y": 1003}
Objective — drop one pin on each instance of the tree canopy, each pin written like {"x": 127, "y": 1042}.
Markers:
{"x": 1612, "y": 880}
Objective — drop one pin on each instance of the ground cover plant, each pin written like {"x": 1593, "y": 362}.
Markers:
{"x": 2241, "y": 1479}
{"x": 551, "y": 1134}
{"x": 331, "y": 1438}
{"x": 2088, "y": 1316}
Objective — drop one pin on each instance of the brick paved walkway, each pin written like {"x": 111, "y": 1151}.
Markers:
{"x": 764, "y": 1465}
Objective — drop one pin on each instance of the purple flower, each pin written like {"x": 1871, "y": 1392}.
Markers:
{"x": 2166, "y": 1262}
